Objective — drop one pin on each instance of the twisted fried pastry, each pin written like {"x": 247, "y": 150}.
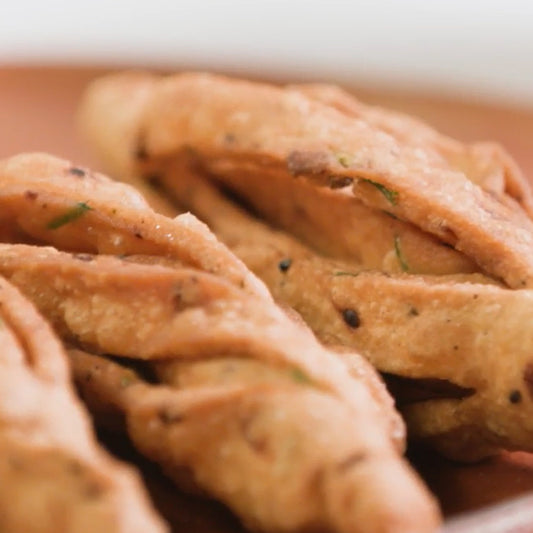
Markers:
{"x": 55, "y": 477}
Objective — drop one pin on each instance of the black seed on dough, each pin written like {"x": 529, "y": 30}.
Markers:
{"x": 77, "y": 171}
{"x": 515, "y": 396}
{"x": 285, "y": 264}
{"x": 351, "y": 318}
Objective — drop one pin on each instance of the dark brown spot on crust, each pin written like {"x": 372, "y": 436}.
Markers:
{"x": 528, "y": 378}
{"x": 413, "y": 311}
{"x": 515, "y": 396}
{"x": 75, "y": 467}
{"x": 154, "y": 180}
{"x": 138, "y": 235}
{"x": 77, "y": 171}
{"x": 140, "y": 152}
{"x": 170, "y": 416}
{"x": 339, "y": 182}
{"x": 285, "y": 264}
{"x": 351, "y": 461}
{"x": 93, "y": 490}
{"x": 351, "y": 318}
{"x": 306, "y": 162}
{"x": 31, "y": 195}
{"x": 229, "y": 138}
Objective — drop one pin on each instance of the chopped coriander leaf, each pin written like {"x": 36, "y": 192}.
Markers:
{"x": 391, "y": 196}
{"x": 125, "y": 381}
{"x": 389, "y": 214}
{"x": 399, "y": 255}
{"x": 342, "y": 273}
{"x": 298, "y": 376}
{"x": 344, "y": 159}
{"x": 72, "y": 214}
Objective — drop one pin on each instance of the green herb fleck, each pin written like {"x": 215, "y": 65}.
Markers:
{"x": 125, "y": 381}
{"x": 401, "y": 259}
{"x": 72, "y": 214}
{"x": 342, "y": 273}
{"x": 344, "y": 159}
{"x": 298, "y": 376}
{"x": 389, "y": 214}
{"x": 391, "y": 196}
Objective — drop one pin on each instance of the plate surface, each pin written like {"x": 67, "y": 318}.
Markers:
{"x": 37, "y": 113}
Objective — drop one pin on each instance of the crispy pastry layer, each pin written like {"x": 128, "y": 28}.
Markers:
{"x": 55, "y": 477}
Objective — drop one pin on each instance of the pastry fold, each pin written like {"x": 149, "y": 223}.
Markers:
{"x": 254, "y": 389}
{"x": 407, "y": 234}
{"x": 55, "y": 477}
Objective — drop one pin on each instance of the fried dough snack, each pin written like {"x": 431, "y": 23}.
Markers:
{"x": 47, "y": 199}
{"x": 241, "y": 132}
{"x": 486, "y": 164}
{"x": 228, "y": 349}
{"x": 148, "y": 311}
{"x": 481, "y": 353}
{"x": 335, "y": 224}
{"x": 255, "y": 130}
{"x": 55, "y": 477}
{"x": 285, "y": 455}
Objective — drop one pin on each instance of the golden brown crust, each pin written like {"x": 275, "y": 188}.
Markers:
{"x": 245, "y": 127}
{"x": 476, "y": 326}
{"x": 47, "y": 199}
{"x": 55, "y": 477}
{"x": 313, "y": 214}
{"x": 336, "y": 224}
{"x": 155, "y": 312}
{"x": 187, "y": 316}
{"x": 484, "y": 163}
{"x": 282, "y": 454}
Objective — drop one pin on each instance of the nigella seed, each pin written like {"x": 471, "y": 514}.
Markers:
{"x": 285, "y": 264}
{"x": 351, "y": 318}
{"x": 515, "y": 396}
{"x": 77, "y": 171}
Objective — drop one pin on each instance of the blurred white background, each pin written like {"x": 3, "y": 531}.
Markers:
{"x": 478, "y": 48}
